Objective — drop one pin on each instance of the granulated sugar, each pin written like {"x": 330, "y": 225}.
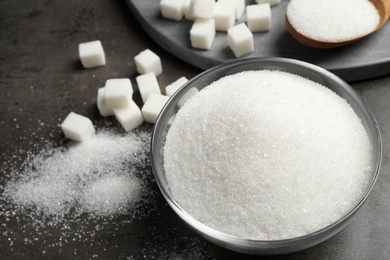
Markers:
{"x": 95, "y": 176}
{"x": 108, "y": 194}
{"x": 333, "y": 20}
{"x": 72, "y": 196}
{"x": 267, "y": 155}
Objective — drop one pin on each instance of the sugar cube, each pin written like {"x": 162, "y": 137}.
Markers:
{"x": 187, "y": 13}
{"x": 77, "y": 127}
{"x": 92, "y": 54}
{"x": 240, "y": 40}
{"x": 172, "y": 9}
{"x": 104, "y": 109}
{"x": 192, "y": 91}
{"x": 202, "y": 33}
{"x": 118, "y": 92}
{"x": 147, "y": 83}
{"x": 188, "y": 9}
{"x": 259, "y": 17}
{"x": 147, "y": 61}
{"x": 174, "y": 86}
{"x": 271, "y": 2}
{"x": 239, "y": 7}
{"x": 129, "y": 117}
{"x": 224, "y": 16}
{"x": 202, "y": 8}
{"x": 153, "y": 106}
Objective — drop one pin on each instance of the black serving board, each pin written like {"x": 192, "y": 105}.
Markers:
{"x": 365, "y": 59}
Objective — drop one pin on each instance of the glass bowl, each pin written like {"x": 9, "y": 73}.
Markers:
{"x": 312, "y": 72}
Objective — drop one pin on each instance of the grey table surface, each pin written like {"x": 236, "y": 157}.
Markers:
{"x": 42, "y": 80}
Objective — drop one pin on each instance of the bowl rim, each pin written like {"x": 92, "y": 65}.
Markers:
{"x": 254, "y": 246}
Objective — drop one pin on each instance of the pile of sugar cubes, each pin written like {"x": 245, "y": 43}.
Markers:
{"x": 116, "y": 97}
{"x": 210, "y": 16}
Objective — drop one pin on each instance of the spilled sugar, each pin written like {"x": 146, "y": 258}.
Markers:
{"x": 109, "y": 194}
{"x": 267, "y": 155}
{"x": 95, "y": 200}
{"x": 82, "y": 178}
{"x": 333, "y": 20}
{"x": 74, "y": 194}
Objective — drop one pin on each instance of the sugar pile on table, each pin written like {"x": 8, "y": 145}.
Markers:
{"x": 333, "y": 20}
{"x": 267, "y": 155}
{"x": 96, "y": 176}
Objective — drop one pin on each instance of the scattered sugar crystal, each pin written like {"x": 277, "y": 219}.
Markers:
{"x": 269, "y": 146}
{"x": 60, "y": 180}
{"x": 56, "y": 197}
{"x": 333, "y": 20}
{"x": 108, "y": 195}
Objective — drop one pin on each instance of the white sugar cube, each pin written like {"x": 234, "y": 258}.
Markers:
{"x": 172, "y": 9}
{"x": 104, "y": 109}
{"x": 174, "y": 86}
{"x": 147, "y": 61}
{"x": 192, "y": 91}
{"x": 153, "y": 107}
{"x": 224, "y": 16}
{"x": 259, "y": 17}
{"x": 202, "y": 8}
{"x": 92, "y": 54}
{"x": 77, "y": 127}
{"x": 129, "y": 117}
{"x": 271, "y": 2}
{"x": 239, "y": 7}
{"x": 147, "y": 83}
{"x": 187, "y": 14}
{"x": 240, "y": 40}
{"x": 118, "y": 92}
{"x": 202, "y": 33}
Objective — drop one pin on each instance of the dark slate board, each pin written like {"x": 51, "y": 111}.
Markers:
{"x": 366, "y": 59}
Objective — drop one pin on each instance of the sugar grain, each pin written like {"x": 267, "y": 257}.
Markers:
{"x": 333, "y": 20}
{"x": 267, "y": 155}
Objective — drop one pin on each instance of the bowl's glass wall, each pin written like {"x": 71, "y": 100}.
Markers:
{"x": 306, "y": 70}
